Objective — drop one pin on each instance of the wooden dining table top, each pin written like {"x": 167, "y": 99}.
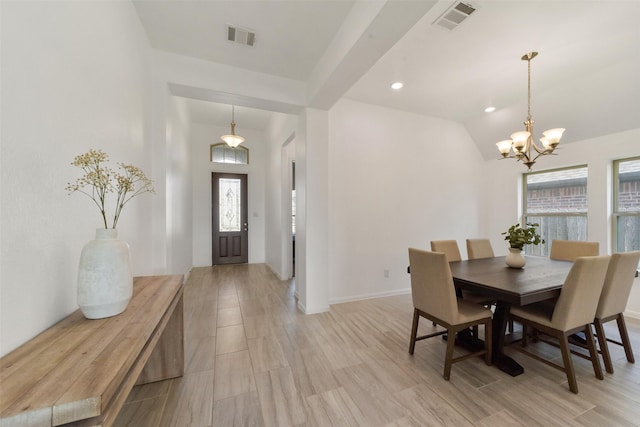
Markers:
{"x": 540, "y": 279}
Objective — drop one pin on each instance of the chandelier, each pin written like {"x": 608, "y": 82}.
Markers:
{"x": 232, "y": 140}
{"x": 522, "y": 142}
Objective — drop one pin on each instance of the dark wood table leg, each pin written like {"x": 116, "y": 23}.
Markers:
{"x": 501, "y": 360}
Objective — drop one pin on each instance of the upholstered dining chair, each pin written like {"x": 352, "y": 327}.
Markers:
{"x": 613, "y": 301}
{"x": 451, "y": 250}
{"x": 448, "y": 247}
{"x": 574, "y": 311}
{"x": 479, "y": 248}
{"x": 569, "y": 250}
{"x": 434, "y": 298}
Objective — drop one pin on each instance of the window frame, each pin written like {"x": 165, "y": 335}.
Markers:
{"x": 238, "y": 148}
{"x": 615, "y": 212}
{"x": 526, "y": 214}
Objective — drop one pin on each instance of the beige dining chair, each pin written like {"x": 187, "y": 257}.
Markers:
{"x": 448, "y": 247}
{"x": 613, "y": 301}
{"x": 574, "y": 311}
{"x": 479, "y": 248}
{"x": 569, "y": 250}
{"x": 434, "y": 298}
{"x": 451, "y": 250}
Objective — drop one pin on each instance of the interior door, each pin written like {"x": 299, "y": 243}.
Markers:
{"x": 229, "y": 218}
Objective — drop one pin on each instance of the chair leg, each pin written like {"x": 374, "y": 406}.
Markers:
{"x": 604, "y": 347}
{"x": 488, "y": 345}
{"x": 414, "y": 331}
{"x": 624, "y": 337}
{"x": 568, "y": 363}
{"x": 448, "y": 358}
{"x": 593, "y": 352}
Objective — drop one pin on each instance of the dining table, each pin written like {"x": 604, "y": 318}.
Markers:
{"x": 540, "y": 279}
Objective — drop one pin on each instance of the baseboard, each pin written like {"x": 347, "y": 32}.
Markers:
{"x": 301, "y": 307}
{"x": 634, "y": 315}
{"x": 370, "y": 296}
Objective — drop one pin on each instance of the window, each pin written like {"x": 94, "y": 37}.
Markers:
{"x": 557, "y": 200}
{"x": 222, "y": 153}
{"x": 626, "y": 204}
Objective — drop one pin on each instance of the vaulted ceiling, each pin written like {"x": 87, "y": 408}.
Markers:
{"x": 585, "y": 77}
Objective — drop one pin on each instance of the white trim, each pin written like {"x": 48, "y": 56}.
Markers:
{"x": 370, "y": 296}
{"x": 301, "y": 307}
{"x": 635, "y": 315}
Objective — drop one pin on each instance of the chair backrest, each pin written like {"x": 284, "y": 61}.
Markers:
{"x": 580, "y": 293}
{"x": 448, "y": 247}
{"x": 432, "y": 286}
{"x": 569, "y": 250}
{"x": 617, "y": 284}
{"x": 479, "y": 248}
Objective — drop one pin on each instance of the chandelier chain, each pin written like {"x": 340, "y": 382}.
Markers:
{"x": 529, "y": 89}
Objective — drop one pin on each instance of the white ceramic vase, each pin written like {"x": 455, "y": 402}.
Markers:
{"x": 105, "y": 280}
{"x": 515, "y": 258}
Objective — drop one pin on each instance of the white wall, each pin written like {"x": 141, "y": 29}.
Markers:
{"x": 280, "y": 132}
{"x": 202, "y": 136}
{"x": 395, "y": 180}
{"x": 179, "y": 189}
{"x": 74, "y": 76}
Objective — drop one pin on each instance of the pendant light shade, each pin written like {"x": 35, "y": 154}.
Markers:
{"x": 232, "y": 139}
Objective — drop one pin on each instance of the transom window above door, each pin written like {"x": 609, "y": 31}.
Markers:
{"x": 222, "y": 153}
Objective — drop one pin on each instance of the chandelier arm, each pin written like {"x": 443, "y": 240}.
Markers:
{"x": 540, "y": 151}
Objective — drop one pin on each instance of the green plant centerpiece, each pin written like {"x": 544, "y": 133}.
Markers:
{"x": 518, "y": 236}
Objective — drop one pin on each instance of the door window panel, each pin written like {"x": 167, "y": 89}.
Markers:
{"x": 230, "y": 205}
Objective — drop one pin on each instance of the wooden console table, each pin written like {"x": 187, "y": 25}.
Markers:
{"x": 79, "y": 372}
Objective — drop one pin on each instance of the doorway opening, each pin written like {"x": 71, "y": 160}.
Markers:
{"x": 293, "y": 219}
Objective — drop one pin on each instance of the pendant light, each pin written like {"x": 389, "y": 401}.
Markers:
{"x": 233, "y": 140}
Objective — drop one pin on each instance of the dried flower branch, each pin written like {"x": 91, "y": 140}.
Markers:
{"x": 103, "y": 180}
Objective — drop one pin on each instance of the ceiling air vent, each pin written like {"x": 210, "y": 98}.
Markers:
{"x": 241, "y": 35}
{"x": 455, "y": 15}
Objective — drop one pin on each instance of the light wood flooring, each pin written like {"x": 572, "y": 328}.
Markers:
{"x": 252, "y": 359}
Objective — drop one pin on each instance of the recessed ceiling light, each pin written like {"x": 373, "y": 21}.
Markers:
{"x": 397, "y": 85}
{"x": 490, "y": 109}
